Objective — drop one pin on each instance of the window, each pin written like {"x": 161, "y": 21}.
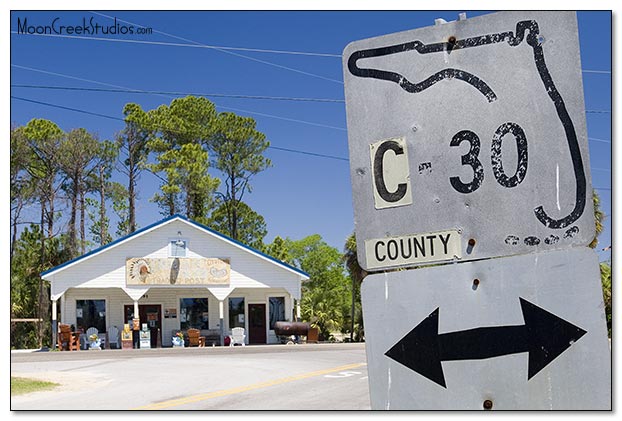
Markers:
{"x": 194, "y": 313}
{"x": 91, "y": 313}
{"x": 178, "y": 248}
{"x": 236, "y": 312}
{"x": 277, "y": 310}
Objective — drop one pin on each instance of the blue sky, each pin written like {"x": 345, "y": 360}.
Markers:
{"x": 307, "y": 190}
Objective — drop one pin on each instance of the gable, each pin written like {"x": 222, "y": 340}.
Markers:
{"x": 154, "y": 241}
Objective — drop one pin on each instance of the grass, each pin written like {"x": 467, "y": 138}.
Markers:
{"x": 21, "y": 386}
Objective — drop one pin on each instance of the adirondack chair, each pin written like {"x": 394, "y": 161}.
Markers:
{"x": 237, "y": 336}
{"x": 68, "y": 340}
{"x": 113, "y": 337}
{"x": 195, "y": 338}
{"x": 90, "y": 331}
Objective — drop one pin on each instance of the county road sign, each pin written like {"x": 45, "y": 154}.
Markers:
{"x": 468, "y": 140}
{"x": 518, "y": 333}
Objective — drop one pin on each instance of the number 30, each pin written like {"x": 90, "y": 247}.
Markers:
{"x": 471, "y": 158}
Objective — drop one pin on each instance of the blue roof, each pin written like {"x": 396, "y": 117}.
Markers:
{"x": 162, "y": 222}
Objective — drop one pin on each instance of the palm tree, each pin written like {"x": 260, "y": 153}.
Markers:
{"x": 357, "y": 274}
{"x": 599, "y": 218}
{"x": 605, "y": 267}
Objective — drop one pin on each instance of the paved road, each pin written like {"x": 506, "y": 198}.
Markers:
{"x": 279, "y": 377}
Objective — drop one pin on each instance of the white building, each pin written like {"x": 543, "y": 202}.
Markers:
{"x": 176, "y": 274}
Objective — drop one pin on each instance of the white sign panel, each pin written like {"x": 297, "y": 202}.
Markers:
{"x": 516, "y": 333}
{"x": 476, "y": 126}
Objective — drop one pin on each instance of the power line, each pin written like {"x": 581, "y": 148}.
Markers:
{"x": 175, "y": 44}
{"x": 65, "y": 108}
{"x": 172, "y": 97}
{"x": 599, "y": 140}
{"x": 293, "y": 120}
{"x": 272, "y": 147}
{"x": 605, "y": 72}
{"x": 220, "y": 47}
{"x": 214, "y": 95}
{"x": 121, "y": 119}
{"x": 47, "y": 72}
{"x": 216, "y": 47}
{"x": 139, "y": 91}
{"x": 227, "y": 51}
{"x": 310, "y": 153}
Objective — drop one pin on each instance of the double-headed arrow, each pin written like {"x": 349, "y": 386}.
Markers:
{"x": 544, "y": 335}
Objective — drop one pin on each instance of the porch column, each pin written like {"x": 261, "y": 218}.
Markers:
{"x": 54, "y": 297}
{"x": 221, "y": 315}
{"x": 54, "y": 324}
{"x": 221, "y": 292}
{"x": 63, "y": 302}
{"x": 135, "y": 339}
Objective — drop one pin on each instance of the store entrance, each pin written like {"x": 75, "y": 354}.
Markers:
{"x": 151, "y": 314}
{"x": 256, "y": 323}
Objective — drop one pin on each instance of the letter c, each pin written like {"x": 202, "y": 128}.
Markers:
{"x": 376, "y": 250}
{"x": 381, "y": 187}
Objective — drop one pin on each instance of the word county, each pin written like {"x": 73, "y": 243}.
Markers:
{"x": 409, "y": 249}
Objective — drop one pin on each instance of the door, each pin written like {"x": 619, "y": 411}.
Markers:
{"x": 256, "y": 323}
{"x": 150, "y": 314}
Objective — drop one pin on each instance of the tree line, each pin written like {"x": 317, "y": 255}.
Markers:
{"x": 205, "y": 162}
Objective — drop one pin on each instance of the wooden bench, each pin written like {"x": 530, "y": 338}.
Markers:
{"x": 212, "y": 336}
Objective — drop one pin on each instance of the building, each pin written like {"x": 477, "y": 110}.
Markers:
{"x": 176, "y": 274}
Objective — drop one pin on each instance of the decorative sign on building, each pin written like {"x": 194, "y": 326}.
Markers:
{"x": 177, "y": 271}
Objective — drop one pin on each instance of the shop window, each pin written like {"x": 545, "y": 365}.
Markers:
{"x": 91, "y": 313}
{"x": 236, "y": 312}
{"x": 194, "y": 313}
{"x": 277, "y": 310}
{"x": 178, "y": 248}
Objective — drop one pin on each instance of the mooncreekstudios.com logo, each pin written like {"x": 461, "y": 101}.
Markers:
{"x": 88, "y": 27}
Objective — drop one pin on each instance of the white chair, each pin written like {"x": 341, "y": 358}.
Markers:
{"x": 113, "y": 337}
{"x": 237, "y": 336}
{"x": 90, "y": 331}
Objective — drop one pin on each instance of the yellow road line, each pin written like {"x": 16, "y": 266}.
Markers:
{"x": 226, "y": 392}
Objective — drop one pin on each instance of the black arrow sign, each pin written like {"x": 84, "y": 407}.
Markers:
{"x": 544, "y": 335}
